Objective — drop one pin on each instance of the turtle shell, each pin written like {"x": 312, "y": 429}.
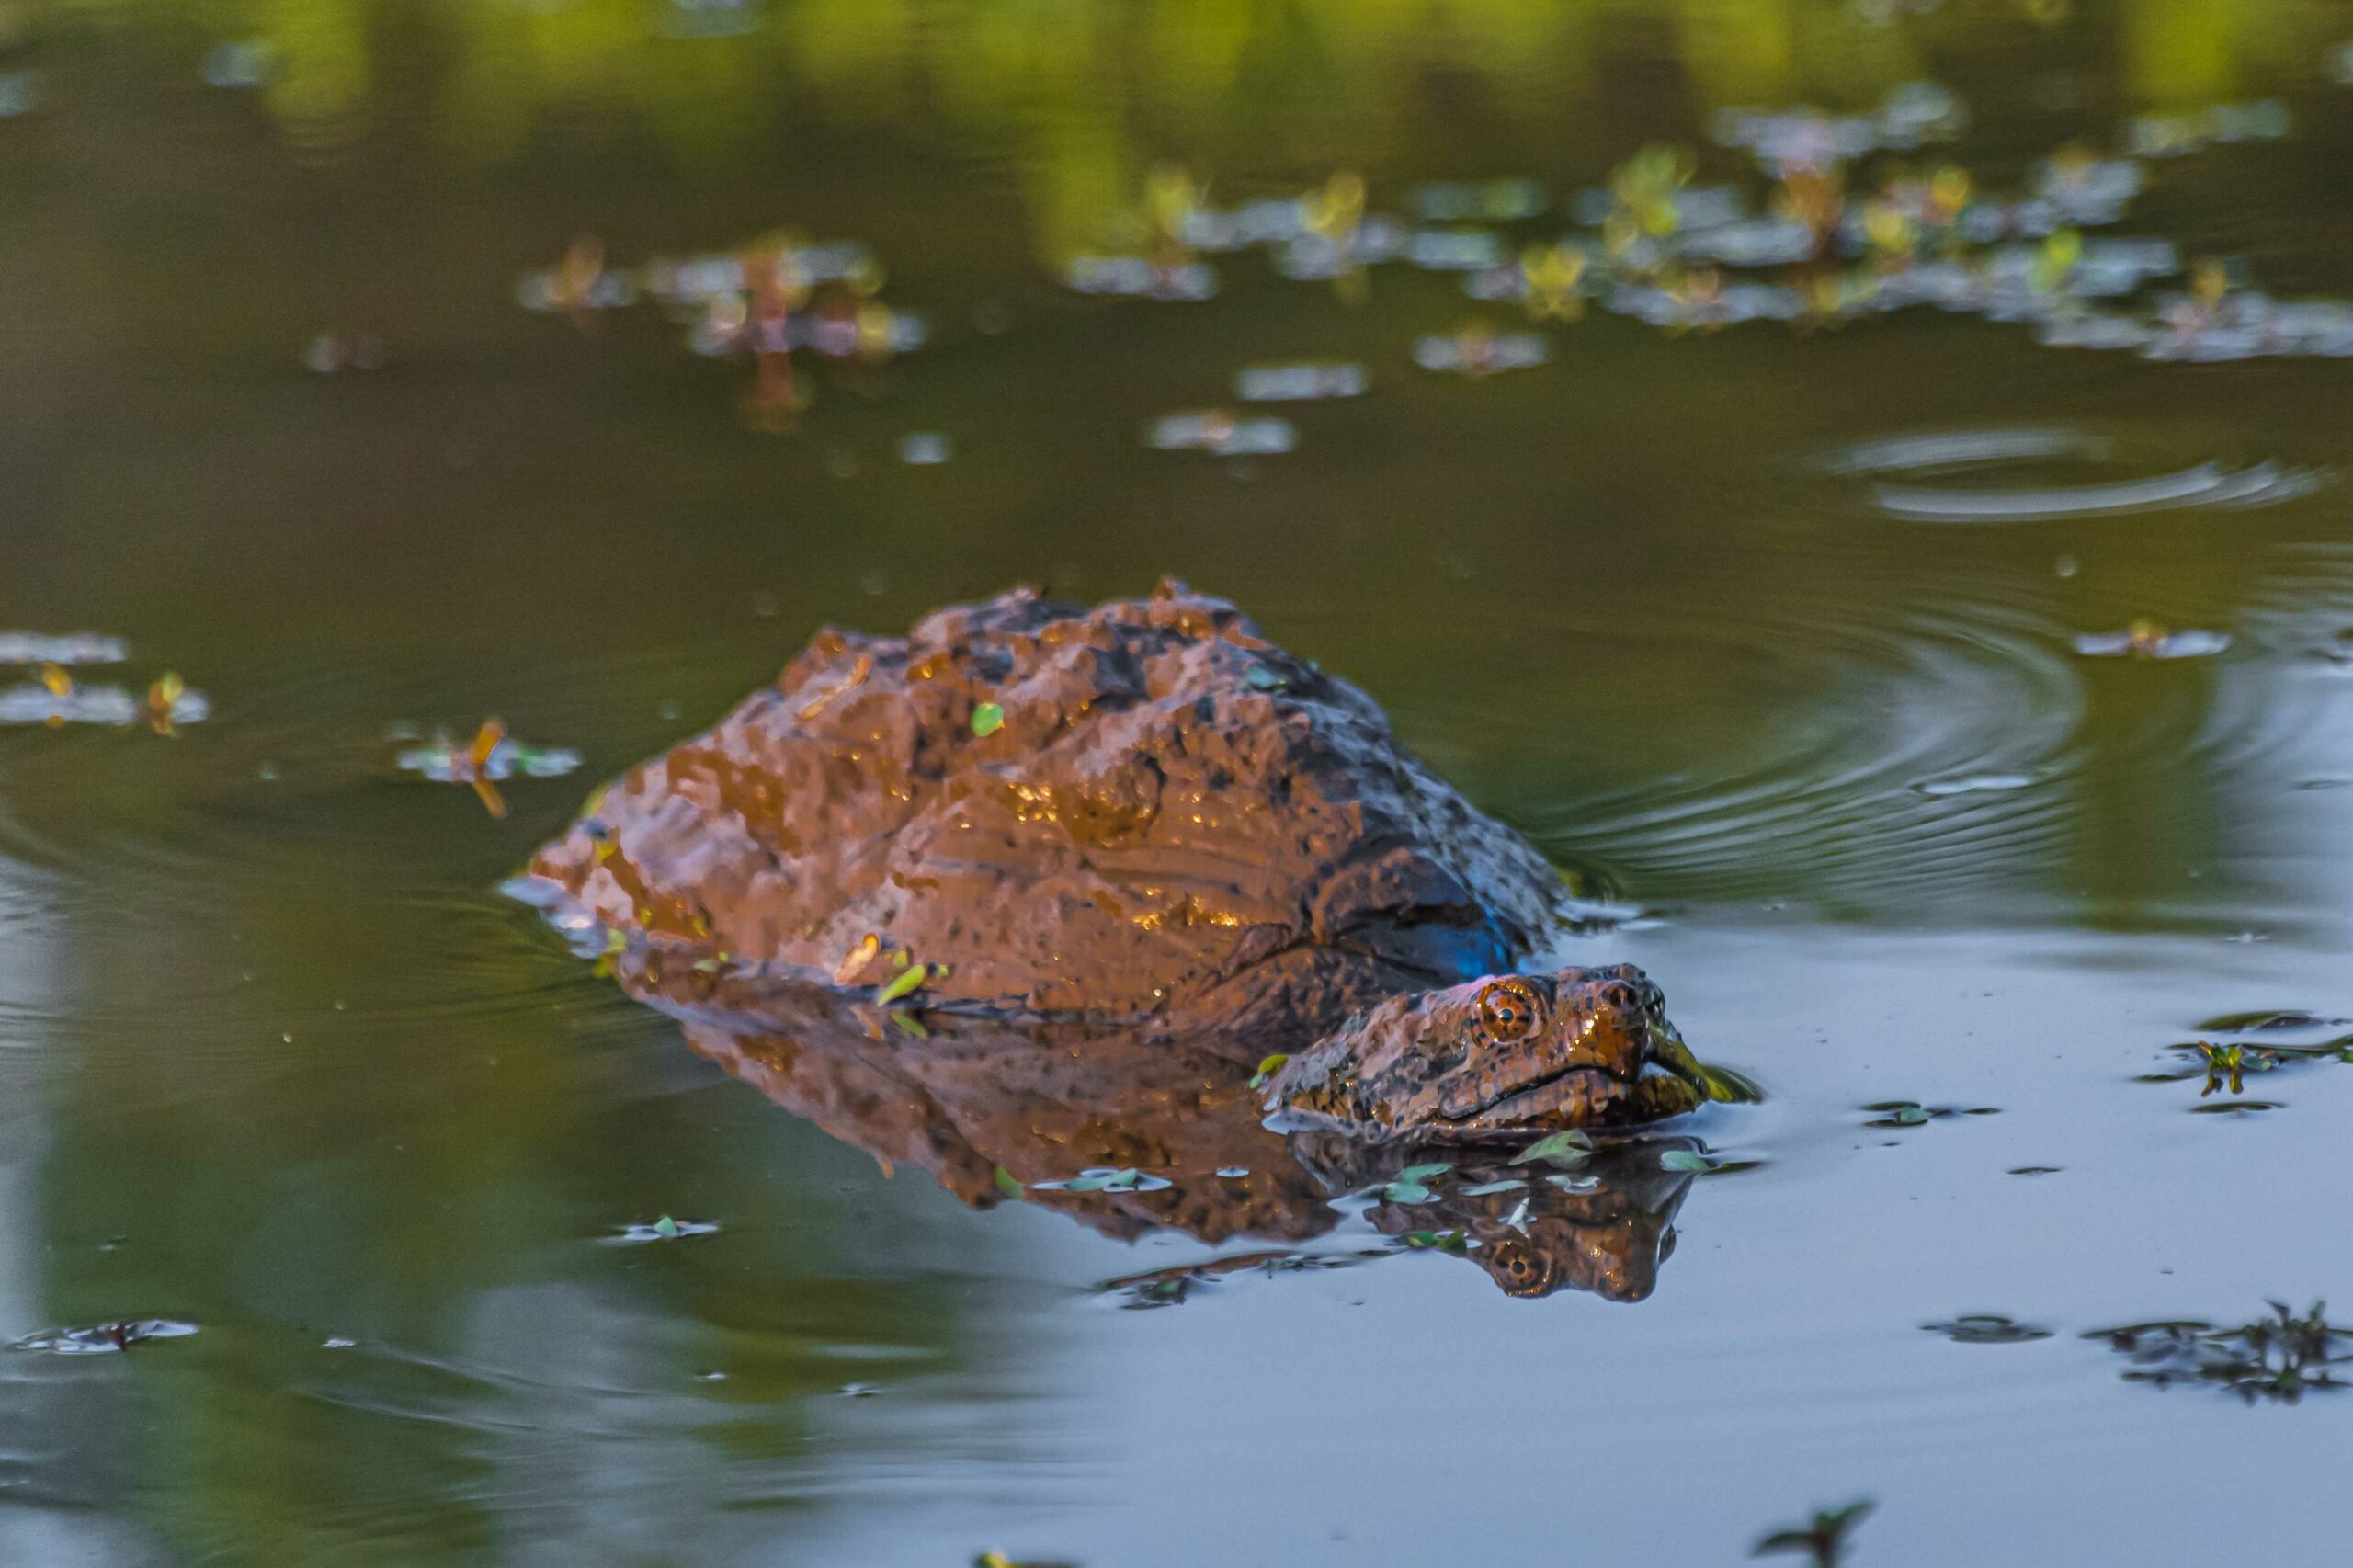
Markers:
{"x": 1143, "y": 811}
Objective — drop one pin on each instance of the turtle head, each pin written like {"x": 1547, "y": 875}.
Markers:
{"x": 1577, "y": 1048}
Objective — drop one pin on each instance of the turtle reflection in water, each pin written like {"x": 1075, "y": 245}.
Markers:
{"x": 983, "y": 1104}
{"x": 1119, "y": 854}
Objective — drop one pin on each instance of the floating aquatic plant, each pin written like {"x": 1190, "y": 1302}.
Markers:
{"x": 2224, "y": 1064}
{"x": 2149, "y": 640}
{"x": 1134, "y": 277}
{"x": 1222, "y": 435}
{"x": 1487, "y": 201}
{"x": 1986, "y": 1328}
{"x": 664, "y": 1229}
{"x": 73, "y": 648}
{"x": 1911, "y": 1113}
{"x": 493, "y": 754}
{"x": 1478, "y": 350}
{"x": 1300, "y": 383}
{"x": 57, "y": 699}
{"x": 2277, "y": 1359}
{"x": 1825, "y": 1539}
{"x": 106, "y": 1338}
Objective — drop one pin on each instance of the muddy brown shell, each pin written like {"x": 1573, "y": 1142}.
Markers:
{"x": 1510, "y": 1011}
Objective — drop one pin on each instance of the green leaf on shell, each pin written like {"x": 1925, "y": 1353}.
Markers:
{"x": 1005, "y": 1183}
{"x": 906, "y": 983}
{"x": 1269, "y": 1067}
{"x": 1560, "y": 1148}
{"x": 987, "y": 719}
{"x": 1422, "y": 1173}
{"x": 1405, "y": 1192}
{"x": 1685, "y": 1160}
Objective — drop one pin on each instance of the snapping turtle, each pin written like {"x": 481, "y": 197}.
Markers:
{"x": 1143, "y": 814}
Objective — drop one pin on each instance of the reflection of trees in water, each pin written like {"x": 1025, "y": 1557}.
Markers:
{"x": 1084, "y": 95}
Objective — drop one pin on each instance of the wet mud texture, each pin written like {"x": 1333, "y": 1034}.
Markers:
{"x": 1174, "y": 821}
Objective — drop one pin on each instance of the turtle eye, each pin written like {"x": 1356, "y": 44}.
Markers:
{"x": 1510, "y": 1011}
{"x": 1519, "y": 1267}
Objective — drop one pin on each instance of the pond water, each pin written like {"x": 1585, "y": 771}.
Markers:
{"x": 1956, "y": 700}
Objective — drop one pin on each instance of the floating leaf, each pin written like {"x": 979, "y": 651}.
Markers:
{"x": 1902, "y": 1113}
{"x": 988, "y": 718}
{"x": 665, "y": 1229}
{"x": 1987, "y": 1329}
{"x": 1685, "y": 1160}
{"x": 1269, "y": 1067}
{"x": 1560, "y": 1148}
{"x": 1510, "y": 1183}
{"x": 1405, "y": 1192}
{"x": 106, "y": 1338}
{"x": 1005, "y": 1183}
{"x": 908, "y": 982}
{"x": 1424, "y": 1173}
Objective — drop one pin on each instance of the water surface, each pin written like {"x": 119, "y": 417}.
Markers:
{"x": 277, "y": 1059}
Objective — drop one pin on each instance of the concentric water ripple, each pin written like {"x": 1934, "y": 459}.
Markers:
{"x": 1864, "y": 733}
{"x": 2041, "y": 474}
{"x": 1871, "y": 779}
